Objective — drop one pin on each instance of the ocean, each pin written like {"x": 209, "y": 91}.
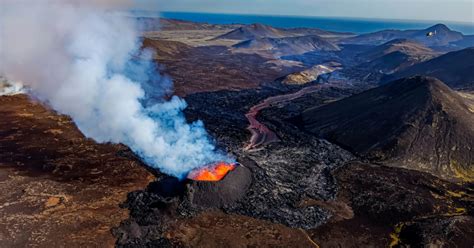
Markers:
{"x": 352, "y": 25}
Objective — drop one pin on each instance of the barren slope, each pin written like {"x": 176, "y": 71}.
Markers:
{"x": 57, "y": 188}
{"x": 254, "y": 31}
{"x": 411, "y": 48}
{"x": 454, "y": 68}
{"x": 418, "y": 123}
{"x": 213, "y": 68}
{"x": 286, "y": 46}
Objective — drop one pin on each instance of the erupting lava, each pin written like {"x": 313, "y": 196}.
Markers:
{"x": 214, "y": 172}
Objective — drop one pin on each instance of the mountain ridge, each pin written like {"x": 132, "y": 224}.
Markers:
{"x": 286, "y": 45}
{"x": 442, "y": 36}
{"x": 416, "y": 123}
{"x": 454, "y": 68}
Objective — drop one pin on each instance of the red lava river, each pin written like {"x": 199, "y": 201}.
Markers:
{"x": 261, "y": 134}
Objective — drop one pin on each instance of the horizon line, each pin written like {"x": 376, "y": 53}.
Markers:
{"x": 468, "y": 23}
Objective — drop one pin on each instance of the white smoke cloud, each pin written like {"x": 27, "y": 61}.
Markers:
{"x": 10, "y": 88}
{"x": 85, "y": 61}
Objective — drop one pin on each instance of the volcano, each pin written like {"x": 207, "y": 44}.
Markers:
{"x": 254, "y": 31}
{"x": 417, "y": 123}
{"x": 218, "y": 184}
{"x": 395, "y": 55}
{"x": 214, "y": 172}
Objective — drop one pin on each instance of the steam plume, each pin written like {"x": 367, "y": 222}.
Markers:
{"x": 10, "y": 88}
{"x": 85, "y": 61}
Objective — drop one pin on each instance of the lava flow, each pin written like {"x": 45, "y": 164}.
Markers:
{"x": 214, "y": 172}
{"x": 261, "y": 134}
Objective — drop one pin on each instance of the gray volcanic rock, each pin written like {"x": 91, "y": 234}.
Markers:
{"x": 456, "y": 69}
{"x": 220, "y": 193}
{"x": 304, "y": 183}
{"x": 398, "y": 208}
{"x": 283, "y": 175}
{"x": 418, "y": 123}
{"x": 449, "y": 231}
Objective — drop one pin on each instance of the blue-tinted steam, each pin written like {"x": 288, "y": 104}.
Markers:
{"x": 87, "y": 63}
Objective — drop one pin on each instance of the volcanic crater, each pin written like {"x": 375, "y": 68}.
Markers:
{"x": 222, "y": 191}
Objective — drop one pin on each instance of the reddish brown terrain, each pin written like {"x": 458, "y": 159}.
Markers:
{"x": 212, "y": 68}
{"x": 58, "y": 188}
{"x": 216, "y": 229}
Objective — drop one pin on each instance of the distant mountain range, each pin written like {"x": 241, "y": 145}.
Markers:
{"x": 455, "y": 68}
{"x": 287, "y": 45}
{"x": 418, "y": 123}
{"x": 395, "y": 55}
{"x": 164, "y": 24}
{"x": 384, "y": 55}
{"x": 404, "y": 46}
{"x": 256, "y": 31}
{"x": 441, "y": 36}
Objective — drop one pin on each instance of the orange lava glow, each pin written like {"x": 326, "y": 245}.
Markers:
{"x": 213, "y": 172}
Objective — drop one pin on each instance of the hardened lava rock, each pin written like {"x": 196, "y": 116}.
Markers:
{"x": 228, "y": 190}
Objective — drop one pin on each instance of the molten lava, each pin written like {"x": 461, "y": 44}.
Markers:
{"x": 214, "y": 172}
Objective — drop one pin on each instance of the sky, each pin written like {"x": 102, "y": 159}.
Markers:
{"x": 432, "y": 10}
{"x": 435, "y": 10}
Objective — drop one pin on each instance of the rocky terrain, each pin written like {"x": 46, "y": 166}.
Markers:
{"x": 325, "y": 159}
{"x": 398, "y": 208}
{"x": 285, "y": 46}
{"x": 254, "y": 31}
{"x": 405, "y": 46}
{"x": 212, "y": 68}
{"x": 454, "y": 68}
{"x": 59, "y": 188}
{"x": 277, "y": 186}
{"x": 257, "y": 30}
{"x": 418, "y": 123}
{"x": 377, "y": 209}
{"x": 394, "y": 56}
{"x": 317, "y": 72}
{"x": 164, "y": 24}
{"x": 371, "y": 64}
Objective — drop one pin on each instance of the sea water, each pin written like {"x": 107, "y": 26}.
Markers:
{"x": 352, "y": 25}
